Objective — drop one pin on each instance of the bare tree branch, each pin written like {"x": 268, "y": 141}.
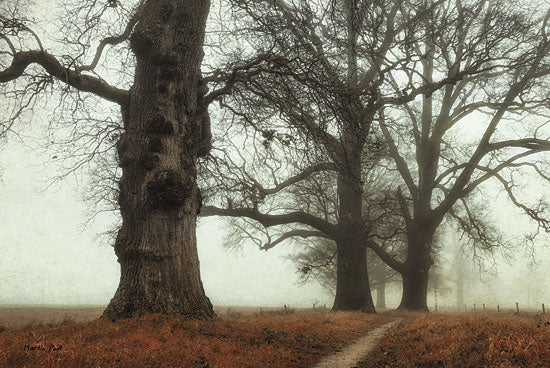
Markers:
{"x": 302, "y": 233}
{"x": 114, "y": 40}
{"x": 305, "y": 173}
{"x": 385, "y": 256}
{"x": 85, "y": 83}
{"x": 273, "y": 220}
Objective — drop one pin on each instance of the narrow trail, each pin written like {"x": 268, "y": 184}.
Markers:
{"x": 353, "y": 354}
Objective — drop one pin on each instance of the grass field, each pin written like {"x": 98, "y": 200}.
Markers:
{"x": 234, "y": 339}
{"x": 466, "y": 340}
{"x": 268, "y": 337}
{"x": 20, "y": 315}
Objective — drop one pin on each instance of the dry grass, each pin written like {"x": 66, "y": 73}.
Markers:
{"x": 19, "y": 316}
{"x": 267, "y": 340}
{"x": 488, "y": 340}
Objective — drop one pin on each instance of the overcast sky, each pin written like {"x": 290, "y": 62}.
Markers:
{"x": 47, "y": 259}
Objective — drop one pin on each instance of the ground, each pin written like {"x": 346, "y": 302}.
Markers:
{"x": 239, "y": 337}
{"x": 268, "y": 337}
{"x": 477, "y": 339}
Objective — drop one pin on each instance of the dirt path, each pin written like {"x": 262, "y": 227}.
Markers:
{"x": 354, "y": 353}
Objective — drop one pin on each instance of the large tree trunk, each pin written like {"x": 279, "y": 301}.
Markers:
{"x": 159, "y": 198}
{"x": 353, "y": 291}
{"x": 417, "y": 268}
{"x": 415, "y": 290}
{"x": 352, "y": 283}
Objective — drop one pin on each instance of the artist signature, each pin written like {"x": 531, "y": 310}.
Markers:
{"x": 39, "y": 347}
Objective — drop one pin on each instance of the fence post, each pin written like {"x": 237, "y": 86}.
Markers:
{"x": 285, "y": 308}
{"x": 498, "y": 307}
{"x": 517, "y": 307}
{"x": 543, "y": 310}
{"x": 484, "y": 307}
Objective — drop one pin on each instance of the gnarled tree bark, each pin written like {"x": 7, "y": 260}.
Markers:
{"x": 165, "y": 130}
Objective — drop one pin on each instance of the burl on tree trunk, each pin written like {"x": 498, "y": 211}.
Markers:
{"x": 165, "y": 129}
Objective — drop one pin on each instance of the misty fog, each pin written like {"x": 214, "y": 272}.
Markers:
{"x": 51, "y": 257}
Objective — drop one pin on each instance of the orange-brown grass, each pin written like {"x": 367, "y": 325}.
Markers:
{"x": 430, "y": 340}
{"x": 296, "y": 340}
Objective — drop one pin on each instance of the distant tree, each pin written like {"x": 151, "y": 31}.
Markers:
{"x": 151, "y": 51}
{"x": 465, "y": 263}
{"x": 508, "y": 46}
{"x": 382, "y": 276}
{"x": 459, "y": 268}
{"x": 438, "y": 281}
{"x": 532, "y": 287}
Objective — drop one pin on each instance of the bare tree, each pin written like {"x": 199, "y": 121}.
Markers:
{"x": 318, "y": 71}
{"x": 508, "y": 99}
{"x": 292, "y": 36}
{"x": 151, "y": 51}
{"x": 466, "y": 265}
